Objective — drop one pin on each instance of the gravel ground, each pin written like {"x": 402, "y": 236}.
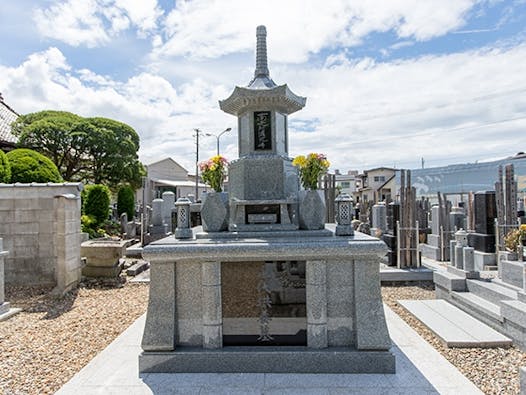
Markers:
{"x": 53, "y": 338}
{"x": 493, "y": 370}
{"x": 43, "y": 347}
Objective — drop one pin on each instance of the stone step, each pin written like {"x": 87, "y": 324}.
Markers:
{"x": 515, "y": 311}
{"x": 474, "y": 302}
{"x": 455, "y": 327}
{"x": 500, "y": 282}
{"x": 449, "y": 281}
{"x": 490, "y": 291}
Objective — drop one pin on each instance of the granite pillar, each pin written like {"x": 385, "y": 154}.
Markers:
{"x": 371, "y": 328}
{"x": 160, "y": 328}
{"x": 316, "y": 289}
{"x": 212, "y": 314}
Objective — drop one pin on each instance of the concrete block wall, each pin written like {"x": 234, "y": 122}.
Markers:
{"x": 40, "y": 225}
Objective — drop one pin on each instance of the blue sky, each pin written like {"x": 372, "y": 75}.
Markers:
{"x": 387, "y": 82}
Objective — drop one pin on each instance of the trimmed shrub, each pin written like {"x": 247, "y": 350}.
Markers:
{"x": 30, "y": 166}
{"x": 96, "y": 203}
{"x": 5, "y": 168}
{"x": 126, "y": 201}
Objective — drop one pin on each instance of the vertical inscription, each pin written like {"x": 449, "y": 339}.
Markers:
{"x": 262, "y": 131}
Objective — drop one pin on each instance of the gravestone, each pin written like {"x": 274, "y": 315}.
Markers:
{"x": 457, "y": 218}
{"x": 389, "y": 237}
{"x": 379, "y": 214}
{"x": 168, "y": 206}
{"x": 158, "y": 228}
{"x": 483, "y": 239}
{"x": 435, "y": 247}
{"x": 265, "y": 296}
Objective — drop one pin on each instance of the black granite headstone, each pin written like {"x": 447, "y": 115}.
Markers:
{"x": 393, "y": 216}
{"x": 485, "y": 208}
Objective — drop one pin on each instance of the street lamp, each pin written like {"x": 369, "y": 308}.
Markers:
{"x": 218, "y": 136}
{"x": 196, "y": 135}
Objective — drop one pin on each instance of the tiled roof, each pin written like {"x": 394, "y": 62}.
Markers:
{"x": 7, "y": 116}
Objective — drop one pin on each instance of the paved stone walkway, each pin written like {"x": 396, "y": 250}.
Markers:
{"x": 455, "y": 327}
{"x": 420, "y": 370}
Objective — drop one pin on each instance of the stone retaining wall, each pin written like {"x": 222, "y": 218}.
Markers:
{"x": 40, "y": 225}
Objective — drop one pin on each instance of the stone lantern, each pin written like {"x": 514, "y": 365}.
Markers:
{"x": 183, "y": 230}
{"x": 343, "y": 210}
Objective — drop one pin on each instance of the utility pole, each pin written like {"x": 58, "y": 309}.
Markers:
{"x": 197, "y": 132}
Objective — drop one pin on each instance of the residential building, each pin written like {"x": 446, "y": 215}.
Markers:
{"x": 7, "y": 117}
{"x": 168, "y": 175}
{"x": 376, "y": 185}
{"x": 346, "y": 183}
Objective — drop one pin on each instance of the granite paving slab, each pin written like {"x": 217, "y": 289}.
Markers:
{"x": 455, "y": 327}
{"x": 420, "y": 370}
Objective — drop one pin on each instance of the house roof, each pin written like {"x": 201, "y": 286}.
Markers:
{"x": 7, "y": 117}
{"x": 173, "y": 183}
{"x": 167, "y": 160}
{"x": 379, "y": 168}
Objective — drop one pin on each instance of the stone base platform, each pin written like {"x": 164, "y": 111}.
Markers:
{"x": 198, "y": 284}
{"x": 267, "y": 360}
{"x": 294, "y": 234}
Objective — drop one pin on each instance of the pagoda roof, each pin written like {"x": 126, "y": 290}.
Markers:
{"x": 279, "y": 98}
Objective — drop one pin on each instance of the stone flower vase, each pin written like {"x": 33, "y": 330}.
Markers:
{"x": 311, "y": 210}
{"x": 215, "y": 212}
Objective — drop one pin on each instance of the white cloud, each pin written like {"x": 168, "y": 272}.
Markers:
{"x": 94, "y": 22}
{"x": 211, "y": 28}
{"x": 360, "y": 112}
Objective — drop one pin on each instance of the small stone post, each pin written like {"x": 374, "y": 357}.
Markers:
{"x": 4, "y": 306}
{"x": 461, "y": 238}
{"x": 469, "y": 259}
{"x": 183, "y": 230}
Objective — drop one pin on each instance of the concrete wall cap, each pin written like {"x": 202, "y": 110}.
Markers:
{"x": 78, "y": 185}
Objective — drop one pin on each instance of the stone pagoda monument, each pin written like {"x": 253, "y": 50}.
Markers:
{"x": 262, "y": 292}
{"x": 263, "y": 182}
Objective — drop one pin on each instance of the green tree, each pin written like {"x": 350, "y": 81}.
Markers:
{"x": 96, "y": 150}
{"x": 96, "y": 203}
{"x": 5, "y": 168}
{"x": 126, "y": 201}
{"x": 30, "y": 166}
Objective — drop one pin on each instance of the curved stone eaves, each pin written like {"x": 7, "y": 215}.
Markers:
{"x": 280, "y": 98}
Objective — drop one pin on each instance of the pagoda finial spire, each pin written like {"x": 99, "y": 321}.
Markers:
{"x": 261, "y": 53}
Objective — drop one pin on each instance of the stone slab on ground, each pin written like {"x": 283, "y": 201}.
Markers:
{"x": 455, "y": 327}
{"x": 101, "y": 271}
{"x": 143, "y": 277}
{"x": 420, "y": 369}
{"x": 389, "y": 273}
{"x": 8, "y": 313}
{"x": 137, "y": 268}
